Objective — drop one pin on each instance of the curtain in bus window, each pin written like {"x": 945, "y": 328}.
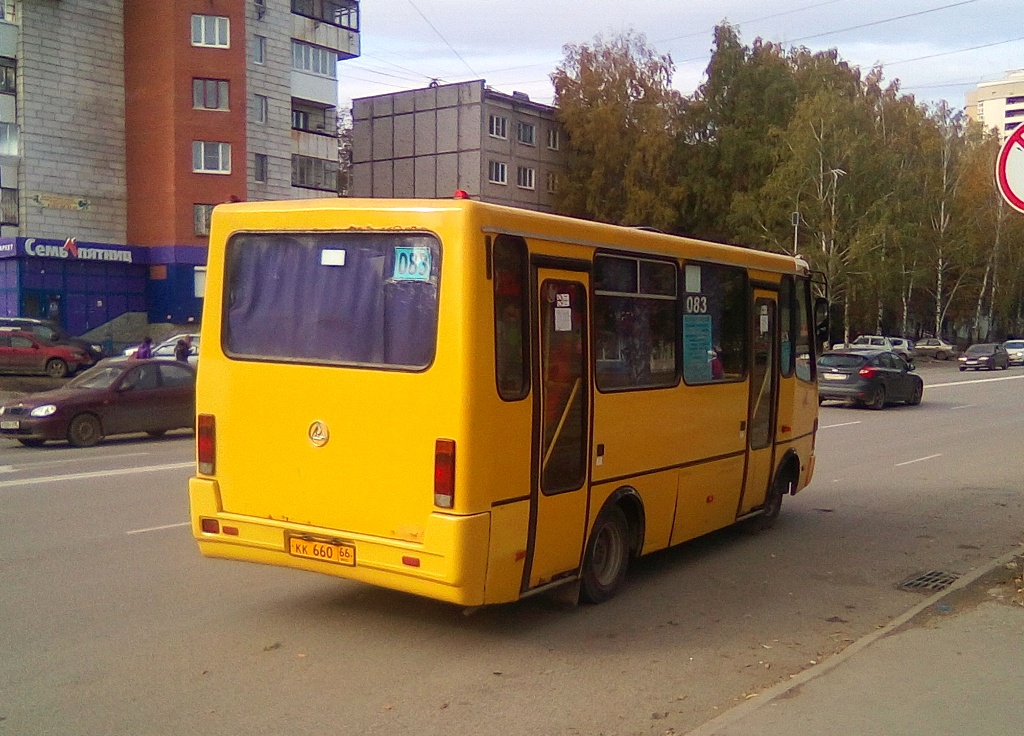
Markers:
{"x": 352, "y": 298}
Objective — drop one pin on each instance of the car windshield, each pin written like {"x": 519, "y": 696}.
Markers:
{"x": 100, "y": 376}
{"x": 841, "y": 361}
{"x": 980, "y": 349}
{"x": 1014, "y": 345}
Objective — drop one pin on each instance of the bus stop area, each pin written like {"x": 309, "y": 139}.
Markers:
{"x": 950, "y": 665}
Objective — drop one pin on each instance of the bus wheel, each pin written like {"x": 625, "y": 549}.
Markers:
{"x": 772, "y": 507}
{"x": 604, "y": 567}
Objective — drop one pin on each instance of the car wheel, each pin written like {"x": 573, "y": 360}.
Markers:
{"x": 962, "y": 369}
{"x": 877, "y": 399}
{"x": 940, "y": 355}
{"x": 56, "y": 368}
{"x": 85, "y": 431}
{"x": 604, "y": 566}
{"x": 32, "y": 442}
{"x": 915, "y": 397}
{"x": 156, "y": 432}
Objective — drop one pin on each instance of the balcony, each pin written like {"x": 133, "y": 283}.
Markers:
{"x": 340, "y": 13}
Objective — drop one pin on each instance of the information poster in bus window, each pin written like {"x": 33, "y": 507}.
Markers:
{"x": 697, "y": 347}
{"x": 411, "y": 264}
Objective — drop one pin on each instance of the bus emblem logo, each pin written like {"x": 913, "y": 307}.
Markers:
{"x": 318, "y": 433}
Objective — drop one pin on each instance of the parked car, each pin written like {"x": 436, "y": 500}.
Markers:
{"x": 116, "y": 396}
{"x": 1015, "y": 351}
{"x": 24, "y": 353}
{"x": 165, "y": 349}
{"x": 987, "y": 355}
{"x": 51, "y": 332}
{"x": 871, "y": 378}
{"x": 935, "y": 347}
{"x": 903, "y": 347}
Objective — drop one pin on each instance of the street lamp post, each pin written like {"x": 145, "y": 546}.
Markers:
{"x": 796, "y": 225}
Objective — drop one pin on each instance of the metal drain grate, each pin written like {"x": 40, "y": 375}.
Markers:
{"x": 931, "y": 581}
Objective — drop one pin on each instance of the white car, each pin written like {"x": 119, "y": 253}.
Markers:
{"x": 165, "y": 349}
{"x": 1015, "y": 349}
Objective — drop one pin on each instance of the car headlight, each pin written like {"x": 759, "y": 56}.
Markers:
{"x": 43, "y": 411}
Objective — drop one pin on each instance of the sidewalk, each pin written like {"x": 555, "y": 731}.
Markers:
{"x": 952, "y": 665}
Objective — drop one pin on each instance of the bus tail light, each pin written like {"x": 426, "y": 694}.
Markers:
{"x": 444, "y": 473}
{"x": 206, "y": 444}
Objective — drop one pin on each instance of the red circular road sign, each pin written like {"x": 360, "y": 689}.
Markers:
{"x": 1010, "y": 169}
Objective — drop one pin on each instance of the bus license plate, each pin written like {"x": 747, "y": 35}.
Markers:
{"x": 339, "y": 554}
{"x": 10, "y": 424}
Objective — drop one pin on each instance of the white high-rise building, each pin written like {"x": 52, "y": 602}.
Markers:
{"x": 999, "y": 105}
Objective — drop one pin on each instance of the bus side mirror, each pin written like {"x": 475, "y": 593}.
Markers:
{"x": 821, "y": 331}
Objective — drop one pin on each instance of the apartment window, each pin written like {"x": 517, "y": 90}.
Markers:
{"x": 554, "y": 139}
{"x": 209, "y": 94}
{"x": 314, "y": 173}
{"x": 551, "y": 182}
{"x": 261, "y": 108}
{"x": 497, "y": 127}
{"x": 259, "y": 50}
{"x": 342, "y": 13}
{"x": 261, "y": 8}
{"x": 314, "y": 59}
{"x": 8, "y": 139}
{"x": 201, "y": 218}
{"x": 526, "y": 133}
{"x": 1015, "y": 100}
{"x": 1011, "y": 126}
{"x": 210, "y": 30}
{"x": 211, "y": 158}
{"x": 8, "y": 206}
{"x": 300, "y": 120}
{"x": 525, "y": 177}
{"x": 497, "y": 172}
{"x": 1015, "y": 113}
{"x": 8, "y": 76}
{"x": 260, "y": 167}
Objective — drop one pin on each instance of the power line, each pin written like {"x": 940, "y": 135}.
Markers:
{"x": 427, "y": 21}
{"x": 883, "y": 21}
{"x": 755, "y": 20}
{"x": 956, "y": 51}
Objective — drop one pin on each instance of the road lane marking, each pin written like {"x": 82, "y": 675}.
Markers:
{"x": 971, "y": 383}
{"x": 919, "y": 460}
{"x": 963, "y": 406}
{"x": 159, "y": 528}
{"x": 75, "y": 460}
{"x": 94, "y": 474}
{"x": 844, "y": 424}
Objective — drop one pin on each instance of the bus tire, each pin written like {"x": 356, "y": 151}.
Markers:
{"x": 772, "y": 505}
{"x": 607, "y": 558}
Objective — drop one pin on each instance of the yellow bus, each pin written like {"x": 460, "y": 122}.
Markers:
{"x": 476, "y": 403}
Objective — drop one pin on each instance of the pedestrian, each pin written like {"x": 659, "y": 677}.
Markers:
{"x": 183, "y": 348}
{"x": 145, "y": 349}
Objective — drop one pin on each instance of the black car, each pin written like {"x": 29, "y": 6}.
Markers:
{"x": 52, "y": 333}
{"x": 986, "y": 355}
{"x": 871, "y": 378}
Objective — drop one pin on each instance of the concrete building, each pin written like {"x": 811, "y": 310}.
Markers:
{"x": 124, "y": 122}
{"x": 999, "y": 105}
{"x": 431, "y": 142}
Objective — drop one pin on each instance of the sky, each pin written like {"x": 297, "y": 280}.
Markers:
{"x": 936, "y": 49}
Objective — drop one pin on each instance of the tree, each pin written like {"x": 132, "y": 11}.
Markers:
{"x": 617, "y": 105}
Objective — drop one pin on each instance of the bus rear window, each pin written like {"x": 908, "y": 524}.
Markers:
{"x": 361, "y": 299}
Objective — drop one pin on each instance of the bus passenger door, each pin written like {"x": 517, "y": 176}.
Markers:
{"x": 561, "y": 427}
{"x": 763, "y": 396}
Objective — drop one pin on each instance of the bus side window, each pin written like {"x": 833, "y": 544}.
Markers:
{"x": 805, "y": 367}
{"x": 714, "y": 324}
{"x": 511, "y": 343}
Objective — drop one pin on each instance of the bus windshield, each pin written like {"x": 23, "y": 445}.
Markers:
{"x": 362, "y": 299}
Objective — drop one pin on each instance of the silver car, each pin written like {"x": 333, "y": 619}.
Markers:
{"x": 1015, "y": 349}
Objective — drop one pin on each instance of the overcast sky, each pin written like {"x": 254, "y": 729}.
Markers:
{"x": 937, "y": 49}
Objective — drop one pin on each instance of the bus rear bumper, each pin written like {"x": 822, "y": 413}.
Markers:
{"x": 449, "y": 565}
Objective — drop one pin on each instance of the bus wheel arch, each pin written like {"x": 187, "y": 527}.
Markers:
{"x": 617, "y": 536}
{"x": 785, "y": 481}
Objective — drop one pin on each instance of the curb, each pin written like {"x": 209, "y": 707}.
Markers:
{"x": 741, "y": 711}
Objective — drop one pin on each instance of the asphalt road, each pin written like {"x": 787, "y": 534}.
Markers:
{"x": 113, "y": 624}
